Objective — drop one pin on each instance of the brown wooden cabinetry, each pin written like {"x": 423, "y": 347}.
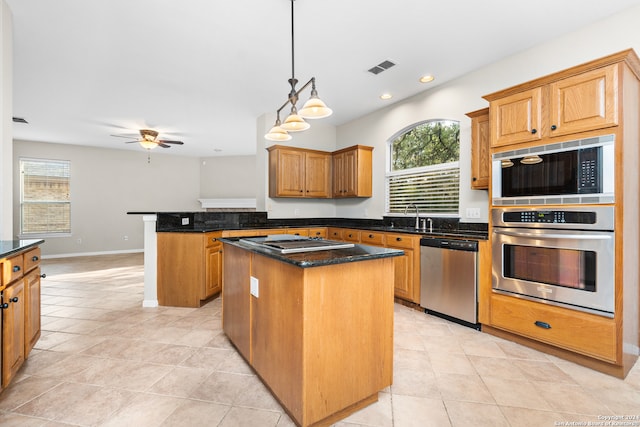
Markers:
{"x": 352, "y": 172}
{"x": 580, "y": 99}
{"x": 189, "y": 268}
{"x": 407, "y": 267}
{"x": 20, "y": 278}
{"x": 296, "y": 172}
{"x": 480, "y": 156}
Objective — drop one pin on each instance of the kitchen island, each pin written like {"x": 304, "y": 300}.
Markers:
{"x": 317, "y": 327}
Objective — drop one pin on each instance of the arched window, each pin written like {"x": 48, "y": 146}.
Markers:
{"x": 423, "y": 168}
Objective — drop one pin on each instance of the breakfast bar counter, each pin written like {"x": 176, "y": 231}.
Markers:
{"x": 317, "y": 327}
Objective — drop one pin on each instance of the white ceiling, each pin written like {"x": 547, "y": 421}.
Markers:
{"x": 203, "y": 71}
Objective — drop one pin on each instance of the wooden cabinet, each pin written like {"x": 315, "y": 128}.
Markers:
{"x": 584, "y": 333}
{"x": 352, "y": 172}
{"x": 480, "y": 155}
{"x": 295, "y": 172}
{"x": 350, "y": 235}
{"x": 334, "y": 233}
{"x": 407, "y": 267}
{"x": 293, "y": 333}
{"x": 581, "y": 99}
{"x": 189, "y": 268}
{"x": 20, "y": 310}
{"x": 13, "y": 338}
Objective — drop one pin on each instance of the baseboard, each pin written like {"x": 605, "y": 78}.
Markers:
{"x": 79, "y": 254}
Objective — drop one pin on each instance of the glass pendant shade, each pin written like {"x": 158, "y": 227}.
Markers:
{"x": 148, "y": 144}
{"x": 277, "y": 134}
{"x": 314, "y": 108}
{"x": 295, "y": 122}
{"x": 531, "y": 160}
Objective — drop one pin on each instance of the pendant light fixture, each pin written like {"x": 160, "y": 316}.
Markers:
{"x": 314, "y": 108}
{"x": 531, "y": 160}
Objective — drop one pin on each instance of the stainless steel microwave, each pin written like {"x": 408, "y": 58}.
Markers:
{"x": 571, "y": 172}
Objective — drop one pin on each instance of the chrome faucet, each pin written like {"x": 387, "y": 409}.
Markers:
{"x": 430, "y": 225}
{"x": 417, "y": 214}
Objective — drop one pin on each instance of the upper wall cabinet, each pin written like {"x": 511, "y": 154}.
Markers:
{"x": 480, "y": 157}
{"x": 296, "y": 172}
{"x": 580, "y": 99}
{"x": 352, "y": 175}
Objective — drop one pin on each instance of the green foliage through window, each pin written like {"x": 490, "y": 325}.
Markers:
{"x": 424, "y": 170}
{"x": 429, "y": 143}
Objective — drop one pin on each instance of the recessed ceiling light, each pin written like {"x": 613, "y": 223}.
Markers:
{"x": 426, "y": 79}
{"x": 386, "y": 96}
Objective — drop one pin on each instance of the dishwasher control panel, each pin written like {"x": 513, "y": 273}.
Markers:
{"x": 454, "y": 244}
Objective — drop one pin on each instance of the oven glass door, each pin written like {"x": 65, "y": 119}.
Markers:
{"x": 568, "y": 268}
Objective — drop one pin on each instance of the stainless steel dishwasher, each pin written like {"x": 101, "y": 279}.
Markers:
{"x": 448, "y": 279}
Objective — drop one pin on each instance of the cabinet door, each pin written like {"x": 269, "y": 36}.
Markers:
{"x": 213, "y": 271}
{"x": 317, "y": 175}
{"x": 237, "y": 300}
{"x": 403, "y": 275}
{"x": 290, "y": 173}
{"x": 12, "y": 331}
{"x": 350, "y": 174}
{"x": 480, "y": 156}
{"x": 407, "y": 267}
{"x": 517, "y": 118}
{"x": 338, "y": 175}
{"x": 585, "y": 102}
{"x": 32, "y": 310}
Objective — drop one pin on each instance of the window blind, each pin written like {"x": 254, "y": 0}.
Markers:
{"x": 45, "y": 204}
{"x": 433, "y": 189}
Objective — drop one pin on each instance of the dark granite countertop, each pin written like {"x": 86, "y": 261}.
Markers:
{"x": 320, "y": 258}
{"x": 10, "y": 247}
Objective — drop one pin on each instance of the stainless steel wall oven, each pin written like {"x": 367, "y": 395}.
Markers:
{"x": 561, "y": 257}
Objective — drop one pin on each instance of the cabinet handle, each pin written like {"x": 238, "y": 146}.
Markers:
{"x": 16, "y": 268}
{"x": 213, "y": 239}
{"x": 14, "y": 299}
{"x": 371, "y": 236}
{"x": 301, "y": 191}
{"x": 543, "y": 325}
{"x": 475, "y": 179}
{"x": 398, "y": 239}
{"x": 4, "y": 306}
{"x": 554, "y": 127}
{"x": 35, "y": 258}
{"x": 534, "y": 131}
{"x": 43, "y": 275}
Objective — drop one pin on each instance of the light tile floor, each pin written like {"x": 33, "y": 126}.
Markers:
{"x": 103, "y": 360}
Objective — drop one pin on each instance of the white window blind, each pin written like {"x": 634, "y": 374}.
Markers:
{"x": 45, "y": 203}
{"x": 433, "y": 189}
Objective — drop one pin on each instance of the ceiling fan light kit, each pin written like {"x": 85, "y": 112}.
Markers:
{"x": 314, "y": 108}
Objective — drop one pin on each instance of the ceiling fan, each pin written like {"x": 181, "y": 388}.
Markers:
{"x": 149, "y": 140}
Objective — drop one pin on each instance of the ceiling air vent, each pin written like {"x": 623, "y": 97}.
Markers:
{"x": 19, "y": 120}
{"x": 384, "y": 65}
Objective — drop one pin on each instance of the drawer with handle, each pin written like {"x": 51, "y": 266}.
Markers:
{"x": 584, "y": 333}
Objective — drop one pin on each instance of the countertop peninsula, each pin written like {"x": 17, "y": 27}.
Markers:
{"x": 10, "y": 247}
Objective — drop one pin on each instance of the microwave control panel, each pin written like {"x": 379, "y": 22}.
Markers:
{"x": 589, "y": 170}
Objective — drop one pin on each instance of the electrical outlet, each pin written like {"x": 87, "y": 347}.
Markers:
{"x": 185, "y": 221}
{"x": 125, "y": 237}
{"x": 254, "y": 286}
{"x": 473, "y": 212}
{"x": 296, "y": 212}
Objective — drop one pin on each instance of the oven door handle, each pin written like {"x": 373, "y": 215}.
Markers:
{"x": 590, "y": 236}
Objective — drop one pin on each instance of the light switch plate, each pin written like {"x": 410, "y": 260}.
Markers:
{"x": 254, "y": 286}
{"x": 473, "y": 213}
{"x": 185, "y": 221}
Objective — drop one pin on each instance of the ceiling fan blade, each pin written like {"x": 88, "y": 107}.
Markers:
{"x": 164, "y": 141}
{"x": 125, "y": 135}
{"x": 130, "y": 142}
{"x": 163, "y": 145}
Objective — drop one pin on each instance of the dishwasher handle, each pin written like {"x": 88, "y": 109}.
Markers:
{"x": 453, "y": 244}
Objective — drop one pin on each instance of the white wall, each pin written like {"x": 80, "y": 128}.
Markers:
{"x": 457, "y": 97}
{"x": 228, "y": 177}
{"x": 105, "y": 185}
{"x": 6, "y": 123}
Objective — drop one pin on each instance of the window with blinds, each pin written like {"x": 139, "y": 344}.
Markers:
{"x": 423, "y": 168}
{"x": 45, "y": 202}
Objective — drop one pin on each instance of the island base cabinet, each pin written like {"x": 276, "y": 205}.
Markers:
{"x": 320, "y": 338}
